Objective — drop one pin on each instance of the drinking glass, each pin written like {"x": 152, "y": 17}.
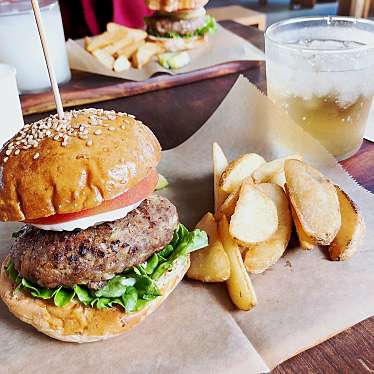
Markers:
{"x": 320, "y": 70}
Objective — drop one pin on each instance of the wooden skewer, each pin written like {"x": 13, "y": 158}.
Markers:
{"x": 51, "y": 72}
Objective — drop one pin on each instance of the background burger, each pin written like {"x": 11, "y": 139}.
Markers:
{"x": 179, "y": 24}
{"x": 99, "y": 250}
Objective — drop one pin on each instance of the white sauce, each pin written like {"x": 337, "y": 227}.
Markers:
{"x": 84, "y": 223}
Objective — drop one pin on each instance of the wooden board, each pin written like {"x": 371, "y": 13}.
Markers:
{"x": 86, "y": 88}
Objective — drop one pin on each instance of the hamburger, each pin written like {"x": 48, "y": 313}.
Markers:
{"x": 98, "y": 250}
{"x": 179, "y": 24}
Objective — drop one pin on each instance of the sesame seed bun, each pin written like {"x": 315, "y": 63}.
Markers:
{"x": 174, "y": 5}
{"x": 77, "y": 323}
{"x": 53, "y": 167}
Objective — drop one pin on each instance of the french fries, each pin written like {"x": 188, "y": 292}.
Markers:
{"x": 239, "y": 284}
{"x": 130, "y": 49}
{"x": 261, "y": 256}
{"x": 211, "y": 263}
{"x": 228, "y": 206}
{"x": 144, "y": 54}
{"x": 351, "y": 230}
{"x": 239, "y": 169}
{"x": 104, "y": 57}
{"x": 255, "y": 217}
{"x": 266, "y": 171}
{"x": 121, "y": 47}
{"x": 219, "y": 165}
{"x": 121, "y": 64}
{"x": 104, "y": 39}
{"x": 315, "y": 201}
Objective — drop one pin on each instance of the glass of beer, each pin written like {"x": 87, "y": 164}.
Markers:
{"x": 320, "y": 70}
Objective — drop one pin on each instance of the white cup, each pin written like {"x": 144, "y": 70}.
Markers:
{"x": 10, "y": 106}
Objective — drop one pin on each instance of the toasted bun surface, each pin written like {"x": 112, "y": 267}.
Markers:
{"x": 178, "y": 44}
{"x": 54, "y": 167}
{"x": 174, "y": 5}
{"x": 78, "y": 323}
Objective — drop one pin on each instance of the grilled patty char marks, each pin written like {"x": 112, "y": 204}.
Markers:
{"x": 164, "y": 25}
{"x": 52, "y": 258}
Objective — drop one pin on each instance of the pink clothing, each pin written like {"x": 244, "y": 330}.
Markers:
{"x": 125, "y": 12}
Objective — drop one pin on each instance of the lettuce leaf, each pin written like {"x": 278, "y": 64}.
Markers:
{"x": 132, "y": 289}
{"x": 209, "y": 27}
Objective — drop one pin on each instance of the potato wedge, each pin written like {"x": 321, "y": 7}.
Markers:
{"x": 239, "y": 169}
{"x": 279, "y": 179}
{"x": 228, "y": 206}
{"x": 121, "y": 64}
{"x": 255, "y": 218}
{"x": 211, "y": 263}
{"x": 352, "y": 229}
{"x": 305, "y": 241}
{"x": 239, "y": 284}
{"x": 104, "y": 39}
{"x": 261, "y": 256}
{"x": 219, "y": 165}
{"x": 130, "y": 49}
{"x": 315, "y": 201}
{"x": 104, "y": 57}
{"x": 265, "y": 172}
{"x": 144, "y": 54}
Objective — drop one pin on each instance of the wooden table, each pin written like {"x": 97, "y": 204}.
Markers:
{"x": 175, "y": 114}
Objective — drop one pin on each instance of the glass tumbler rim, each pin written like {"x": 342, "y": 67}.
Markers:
{"x": 296, "y": 47}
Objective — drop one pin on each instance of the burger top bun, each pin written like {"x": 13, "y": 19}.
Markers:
{"x": 174, "y": 5}
{"x": 65, "y": 166}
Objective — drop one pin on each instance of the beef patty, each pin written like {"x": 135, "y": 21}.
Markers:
{"x": 163, "y": 25}
{"x": 52, "y": 258}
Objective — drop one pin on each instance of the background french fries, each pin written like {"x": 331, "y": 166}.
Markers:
{"x": 104, "y": 57}
{"x": 144, "y": 54}
{"x": 239, "y": 284}
{"x": 351, "y": 230}
{"x": 130, "y": 49}
{"x": 211, "y": 263}
{"x": 255, "y": 217}
{"x": 119, "y": 45}
{"x": 261, "y": 256}
{"x": 219, "y": 165}
{"x": 315, "y": 201}
{"x": 239, "y": 169}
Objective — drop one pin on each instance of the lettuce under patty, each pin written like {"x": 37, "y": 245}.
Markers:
{"x": 132, "y": 289}
{"x": 210, "y": 27}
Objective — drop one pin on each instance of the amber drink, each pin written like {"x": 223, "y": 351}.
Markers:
{"x": 320, "y": 70}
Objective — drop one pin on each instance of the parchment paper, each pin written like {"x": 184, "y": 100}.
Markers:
{"x": 223, "y": 46}
{"x": 303, "y": 299}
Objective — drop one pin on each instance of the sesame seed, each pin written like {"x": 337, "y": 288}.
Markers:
{"x": 5, "y": 159}
{"x": 89, "y": 142}
{"x": 123, "y": 127}
{"x": 8, "y": 152}
{"x": 64, "y": 144}
{"x": 36, "y": 155}
{"x": 111, "y": 128}
{"x": 17, "y": 151}
{"x": 131, "y": 116}
{"x": 97, "y": 132}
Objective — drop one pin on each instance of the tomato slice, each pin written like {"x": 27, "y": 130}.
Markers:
{"x": 143, "y": 189}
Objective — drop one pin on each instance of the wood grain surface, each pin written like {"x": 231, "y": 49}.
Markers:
{"x": 174, "y": 114}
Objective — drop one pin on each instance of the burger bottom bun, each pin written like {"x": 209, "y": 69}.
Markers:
{"x": 78, "y": 323}
{"x": 178, "y": 44}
